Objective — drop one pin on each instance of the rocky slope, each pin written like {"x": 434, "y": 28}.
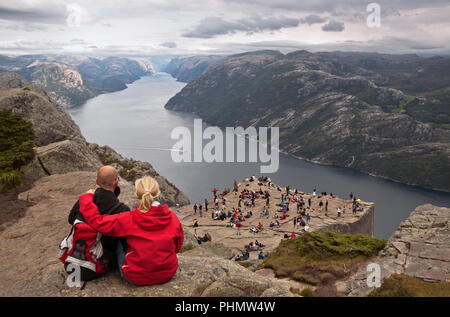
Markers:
{"x": 186, "y": 69}
{"x": 72, "y": 79}
{"x": 131, "y": 170}
{"x": 60, "y": 146}
{"x": 29, "y": 265}
{"x": 62, "y": 82}
{"x": 385, "y": 115}
{"x": 420, "y": 248}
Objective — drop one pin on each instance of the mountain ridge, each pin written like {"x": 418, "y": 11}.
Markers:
{"x": 73, "y": 79}
{"x": 336, "y": 109}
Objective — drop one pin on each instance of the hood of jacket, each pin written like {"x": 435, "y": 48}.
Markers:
{"x": 157, "y": 218}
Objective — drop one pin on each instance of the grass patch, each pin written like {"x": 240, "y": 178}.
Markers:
{"x": 321, "y": 258}
{"x": 16, "y": 148}
{"x": 302, "y": 278}
{"x": 246, "y": 264}
{"x": 406, "y": 286}
{"x": 307, "y": 292}
{"x": 186, "y": 247}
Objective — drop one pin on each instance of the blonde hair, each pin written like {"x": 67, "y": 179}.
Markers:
{"x": 147, "y": 190}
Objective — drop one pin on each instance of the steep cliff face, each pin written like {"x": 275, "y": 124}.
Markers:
{"x": 60, "y": 146}
{"x": 62, "y": 82}
{"x": 186, "y": 69}
{"x": 348, "y": 109}
{"x": 72, "y": 79}
{"x": 50, "y": 122}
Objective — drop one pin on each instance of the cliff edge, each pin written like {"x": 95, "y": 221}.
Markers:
{"x": 29, "y": 265}
{"x": 419, "y": 248}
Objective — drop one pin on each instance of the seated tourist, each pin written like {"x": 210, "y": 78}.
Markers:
{"x": 154, "y": 235}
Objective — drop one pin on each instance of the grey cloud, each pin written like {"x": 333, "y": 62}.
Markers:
{"x": 312, "y": 19}
{"x": 77, "y": 41}
{"x": 27, "y": 27}
{"x": 27, "y": 45}
{"x": 213, "y": 26}
{"x": 333, "y": 26}
{"x": 52, "y": 15}
{"x": 331, "y": 6}
{"x": 169, "y": 44}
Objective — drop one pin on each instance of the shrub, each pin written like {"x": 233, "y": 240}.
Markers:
{"x": 307, "y": 292}
{"x": 16, "y": 148}
{"x": 246, "y": 264}
{"x": 320, "y": 258}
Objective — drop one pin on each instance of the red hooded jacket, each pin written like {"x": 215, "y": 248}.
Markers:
{"x": 153, "y": 237}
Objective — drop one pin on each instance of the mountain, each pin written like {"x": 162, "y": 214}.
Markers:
{"x": 73, "y": 79}
{"x": 186, "y": 69}
{"x": 63, "y": 83}
{"x": 60, "y": 148}
{"x": 386, "y": 115}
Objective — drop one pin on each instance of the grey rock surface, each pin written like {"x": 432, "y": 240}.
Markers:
{"x": 29, "y": 265}
{"x": 420, "y": 248}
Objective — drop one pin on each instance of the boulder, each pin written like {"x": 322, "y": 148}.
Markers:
{"x": 419, "y": 248}
{"x": 61, "y": 157}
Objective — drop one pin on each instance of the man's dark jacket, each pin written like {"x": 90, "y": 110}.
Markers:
{"x": 108, "y": 204}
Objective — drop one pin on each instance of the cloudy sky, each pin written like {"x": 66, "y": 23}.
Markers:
{"x": 156, "y": 27}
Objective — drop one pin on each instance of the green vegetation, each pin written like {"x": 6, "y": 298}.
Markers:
{"x": 325, "y": 246}
{"x": 307, "y": 292}
{"x": 16, "y": 148}
{"x": 446, "y": 126}
{"x": 186, "y": 247}
{"x": 401, "y": 108}
{"x": 406, "y": 286}
{"x": 321, "y": 258}
{"x": 246, "y": 264}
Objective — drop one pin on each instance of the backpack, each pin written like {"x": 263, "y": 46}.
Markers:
{"x": 83, "y": 247}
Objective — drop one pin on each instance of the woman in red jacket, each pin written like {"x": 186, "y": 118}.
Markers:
{"x": 154, "y": 235}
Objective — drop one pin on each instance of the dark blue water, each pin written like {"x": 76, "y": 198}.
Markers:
{"x": 135, "y": 123}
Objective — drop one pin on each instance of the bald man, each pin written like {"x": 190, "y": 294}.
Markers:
{"x": 107, "y": 178}
{"x": 106, "y": 199}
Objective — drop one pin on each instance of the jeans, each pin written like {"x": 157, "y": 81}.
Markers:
{"x": 120, "y": 253}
